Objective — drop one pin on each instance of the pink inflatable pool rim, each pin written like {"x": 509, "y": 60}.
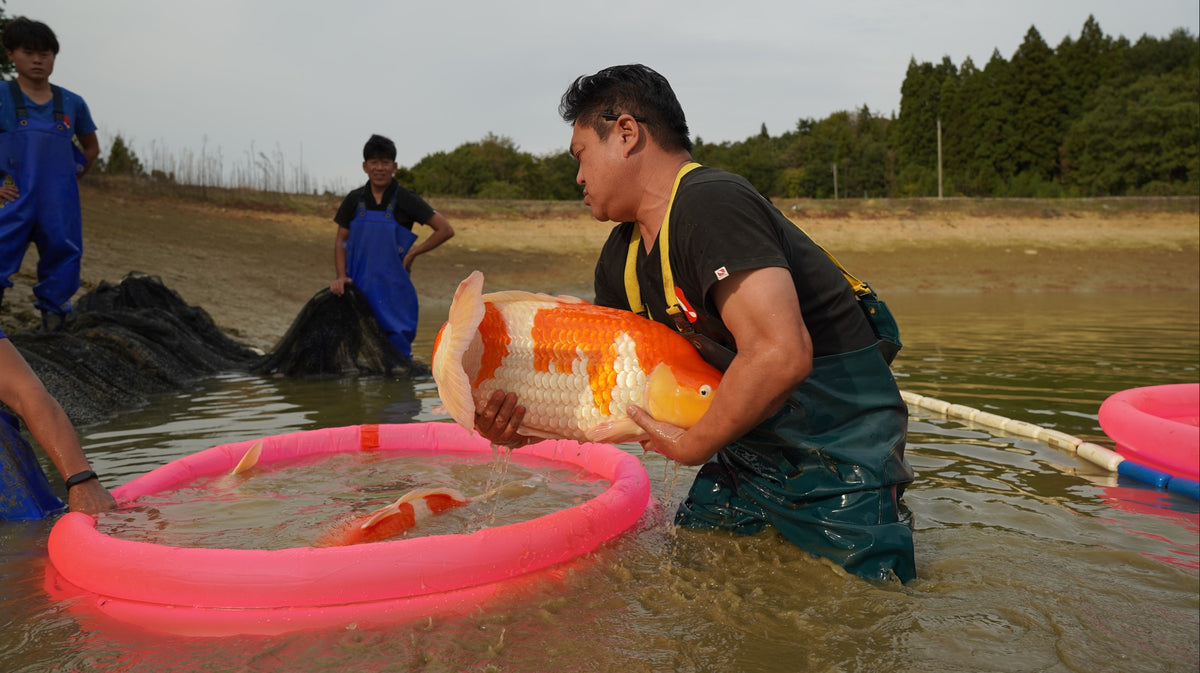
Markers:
{"x": 1156, "y": 426}
{"x": 227, "y": 591}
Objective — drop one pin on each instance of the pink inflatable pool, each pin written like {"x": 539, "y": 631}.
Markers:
{"x": 230, "y": 591}
{"x": 1157, "y": 426}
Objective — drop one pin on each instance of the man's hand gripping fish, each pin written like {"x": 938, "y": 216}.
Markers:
{"x": 575, "y": 366}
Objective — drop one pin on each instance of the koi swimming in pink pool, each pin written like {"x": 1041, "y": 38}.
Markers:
{"x": 574, "y": 366}
{"x": 392, "y": 520}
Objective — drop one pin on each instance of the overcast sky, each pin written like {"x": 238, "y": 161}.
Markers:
{"x": 309, "y": 81}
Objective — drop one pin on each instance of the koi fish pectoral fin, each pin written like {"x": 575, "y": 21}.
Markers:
{"x": 617, "y": 431}
{"x": 538, "y": 433}
{"x": 381, "y": 514}
{"x": 249, "y": 459}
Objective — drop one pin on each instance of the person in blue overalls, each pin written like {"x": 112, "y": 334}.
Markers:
{"x": 40, "y": 164}
{"x": 24, "y": 491}
{"x": 807, "y": 430}
{"x": 374, "y": 243}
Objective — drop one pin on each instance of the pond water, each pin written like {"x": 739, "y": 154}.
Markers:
{"x": 1028, "y": 559}
{"x": 308, "y": 502}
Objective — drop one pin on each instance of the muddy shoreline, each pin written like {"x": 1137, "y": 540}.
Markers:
{"x": 253, "y": 270}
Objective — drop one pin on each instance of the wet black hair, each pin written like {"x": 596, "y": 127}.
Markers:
{"x": 634, "y": 89}
{"x": 378, "y": 147}
{"x": 23, "y": 33}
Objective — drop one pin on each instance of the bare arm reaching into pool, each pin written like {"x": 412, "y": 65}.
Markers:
{"x": 23, "y": 392}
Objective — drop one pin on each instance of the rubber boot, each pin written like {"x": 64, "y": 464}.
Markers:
{"x": 53, "y": 322}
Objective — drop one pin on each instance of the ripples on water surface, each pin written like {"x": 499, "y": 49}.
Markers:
{"x": 292, "y": 503}
{"x": 1028, "y": 559}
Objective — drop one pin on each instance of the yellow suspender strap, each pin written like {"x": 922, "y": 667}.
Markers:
{"x": 860, "y": 288}
{"x": 633, "y": 291}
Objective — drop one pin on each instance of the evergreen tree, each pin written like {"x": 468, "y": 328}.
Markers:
{"x": 915, "y": 131}
{"x": 1037, "y": 124}
{"x": 965, "y": 155}
{"x": 1150, "y": 56}
{"x": 1086, "y": 63}
{"x": 121, "y": 160}
{"x": 994, "y": 151}
{"x": 1141, "y": 138}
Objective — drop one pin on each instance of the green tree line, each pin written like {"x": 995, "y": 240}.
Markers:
{"x": 1094, "y": 116}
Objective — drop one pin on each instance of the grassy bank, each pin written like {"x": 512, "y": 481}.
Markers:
{"x": 326, "y": 204}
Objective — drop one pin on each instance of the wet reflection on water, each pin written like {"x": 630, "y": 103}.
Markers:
{"x": 1029, "y": 560}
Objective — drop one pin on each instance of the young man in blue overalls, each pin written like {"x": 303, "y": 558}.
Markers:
{"x": 374, "y": 243}
{"x": 39, "y": 168}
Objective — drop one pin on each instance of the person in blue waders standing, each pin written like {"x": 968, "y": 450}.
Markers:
{"x": 39, "y": 168}
{"x": 374, "y": 243}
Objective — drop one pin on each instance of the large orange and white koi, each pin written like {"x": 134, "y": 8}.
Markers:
{"x": 574, "y": 366}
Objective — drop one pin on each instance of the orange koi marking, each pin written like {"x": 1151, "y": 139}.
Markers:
{"x": 495, "y": 343}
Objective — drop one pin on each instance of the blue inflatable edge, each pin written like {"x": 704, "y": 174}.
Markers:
{"x": 1188, "y": 487}
{"x": 1159, "y": 479}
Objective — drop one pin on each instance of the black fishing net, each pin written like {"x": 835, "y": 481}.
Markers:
{"x": 125, "y": 342}
{"x": 129, "y": 341}
{"x": 143, "y": 294}
{"x": 90, "y": 383}
{"x": 335, "y": 336}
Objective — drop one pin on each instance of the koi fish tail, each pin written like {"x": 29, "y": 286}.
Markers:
{"x": 450, "y": 349}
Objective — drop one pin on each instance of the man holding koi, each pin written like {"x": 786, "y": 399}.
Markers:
{"x": 807, "y": 429}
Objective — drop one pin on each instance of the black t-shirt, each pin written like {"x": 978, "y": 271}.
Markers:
{"x": 720, "y": 225}
{"x": 409, "y": 207}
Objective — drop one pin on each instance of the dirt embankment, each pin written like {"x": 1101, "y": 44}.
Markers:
{"x": 253, "y": 270}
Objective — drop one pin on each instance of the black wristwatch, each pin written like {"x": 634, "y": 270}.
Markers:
{"x": 79, "y": 478}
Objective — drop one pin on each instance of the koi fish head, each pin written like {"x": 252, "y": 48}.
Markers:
{"x": 680, "y": 394}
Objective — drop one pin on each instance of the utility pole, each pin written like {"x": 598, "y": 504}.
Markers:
{"x": 835, "y": 191}
{"x": 939, "y": 132}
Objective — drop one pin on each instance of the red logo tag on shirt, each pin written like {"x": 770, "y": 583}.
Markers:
{"x": 687, "y": 308}
{"x": 722, "y": 273}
